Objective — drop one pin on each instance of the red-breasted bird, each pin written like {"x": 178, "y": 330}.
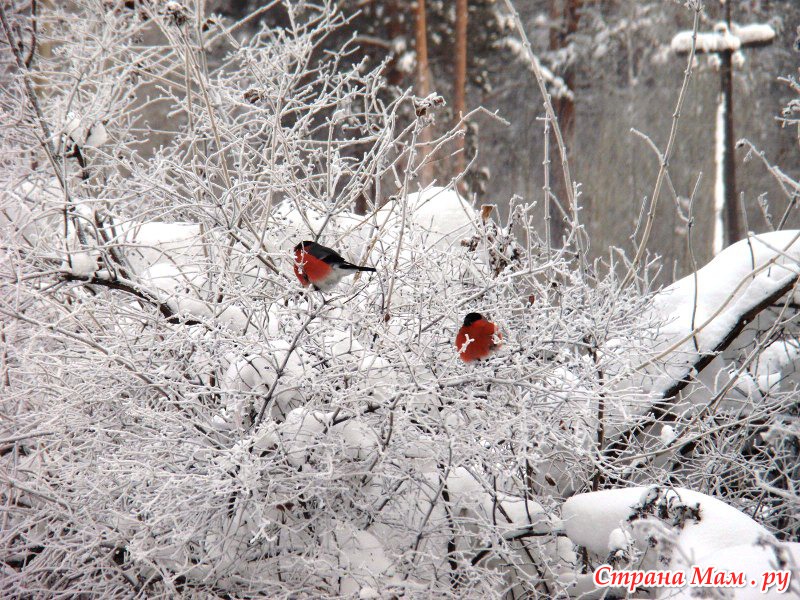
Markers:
{"x": 477, "y": 338}
{"x": 321, "y": 267}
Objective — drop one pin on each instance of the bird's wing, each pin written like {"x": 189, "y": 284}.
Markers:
{"x": 325, "y": 254}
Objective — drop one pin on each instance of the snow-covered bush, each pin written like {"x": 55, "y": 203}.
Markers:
{"x": 180, "y": 417}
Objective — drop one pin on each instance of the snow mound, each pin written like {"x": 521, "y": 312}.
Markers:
{"x": 149, "y": 244}
{"x": 28, "y": 210}
{"x": 591, "y": 519}
{"x": 754, "y": 560}
{"x": 440, "y": 212}
{"x": 704, "y": 307}
{"x": 672, "y": 526}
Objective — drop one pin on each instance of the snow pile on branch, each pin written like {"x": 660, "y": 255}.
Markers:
{"x": 651, "y": 527}
{"x": 719, "y": 40}
{"x": 704, "y": 310}
{"x": 765, "y": 557}
{"x": 440, "y": 216}
{"x": 703, "y": 524}
{"x": 30, "y": 210}
{"x": 85, "y": 133}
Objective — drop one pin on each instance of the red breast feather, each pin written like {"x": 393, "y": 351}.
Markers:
{"x": 482, "y": 344}
{"x": 311, "y": 270}
{"x": 301, "y": 276}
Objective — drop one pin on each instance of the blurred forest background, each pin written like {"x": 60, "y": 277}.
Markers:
{"x": 613, "y": 72}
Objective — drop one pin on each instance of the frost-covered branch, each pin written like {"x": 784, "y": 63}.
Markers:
{"x": 182, "y": 418}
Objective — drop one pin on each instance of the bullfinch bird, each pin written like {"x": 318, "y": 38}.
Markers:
{"x": 321, "y": 267}
{"x": 477, "y": 338}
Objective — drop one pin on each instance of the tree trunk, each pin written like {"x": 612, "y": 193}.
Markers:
{"x": 460, "y": 84}
{"x": 564, "y": 15}
{"x": 423, "y": 87}
{"x": 395, "y": 28}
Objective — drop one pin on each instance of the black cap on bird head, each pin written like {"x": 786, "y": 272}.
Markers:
{"x": 472, "y": 318}
{"x": 302, "y": 245}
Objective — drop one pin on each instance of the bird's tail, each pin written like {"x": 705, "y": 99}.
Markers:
{"x": 351, "y": 267}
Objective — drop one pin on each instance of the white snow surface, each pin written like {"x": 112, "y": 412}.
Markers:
{"x": 407, "y": 62}
{"x": 148, "y": 244}
{"x": 778, "y": 355}
{"x": 734, "y": 282}
{"x": 591, "y": 518}
{"x": 365, "y": 561}
{"x": 618, "y": 539}
{"x": 439, "y": 212}
{"x": 753, "y": 560}
{"x": 34, "y": 211}
{"x": 667, "y": 434}
{"x": 706, "y": 42}
{"x": 599, "y": 521}
{"x": 81, "y": 263}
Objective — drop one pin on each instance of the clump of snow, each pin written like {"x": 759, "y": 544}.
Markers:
{"x": 148, "y": 244}
{"x": 178, "y": 287}
{"x": 667, "y": 435}
{"x": 251, "y": 375}
{"x": 32, "y": 210}
{"x": 298, "y": 435}
{"x": 706, "y": 42}
{"x": 85, "y": 133}
{"x": 407, "y": 62}
{"x": 778, "y": 357}
{"x": 365, "y": 561}
{"x": 591, "y": 518}
{"x": 82, "y": 263}
{"x": 304, "y": 431}
{"x": 619, "y": 539}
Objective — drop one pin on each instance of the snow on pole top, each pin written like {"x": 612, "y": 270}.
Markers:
{"x": 722, "y": 39}
{"x": 756, "y": 34}
{"x": 718, "y": 41}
